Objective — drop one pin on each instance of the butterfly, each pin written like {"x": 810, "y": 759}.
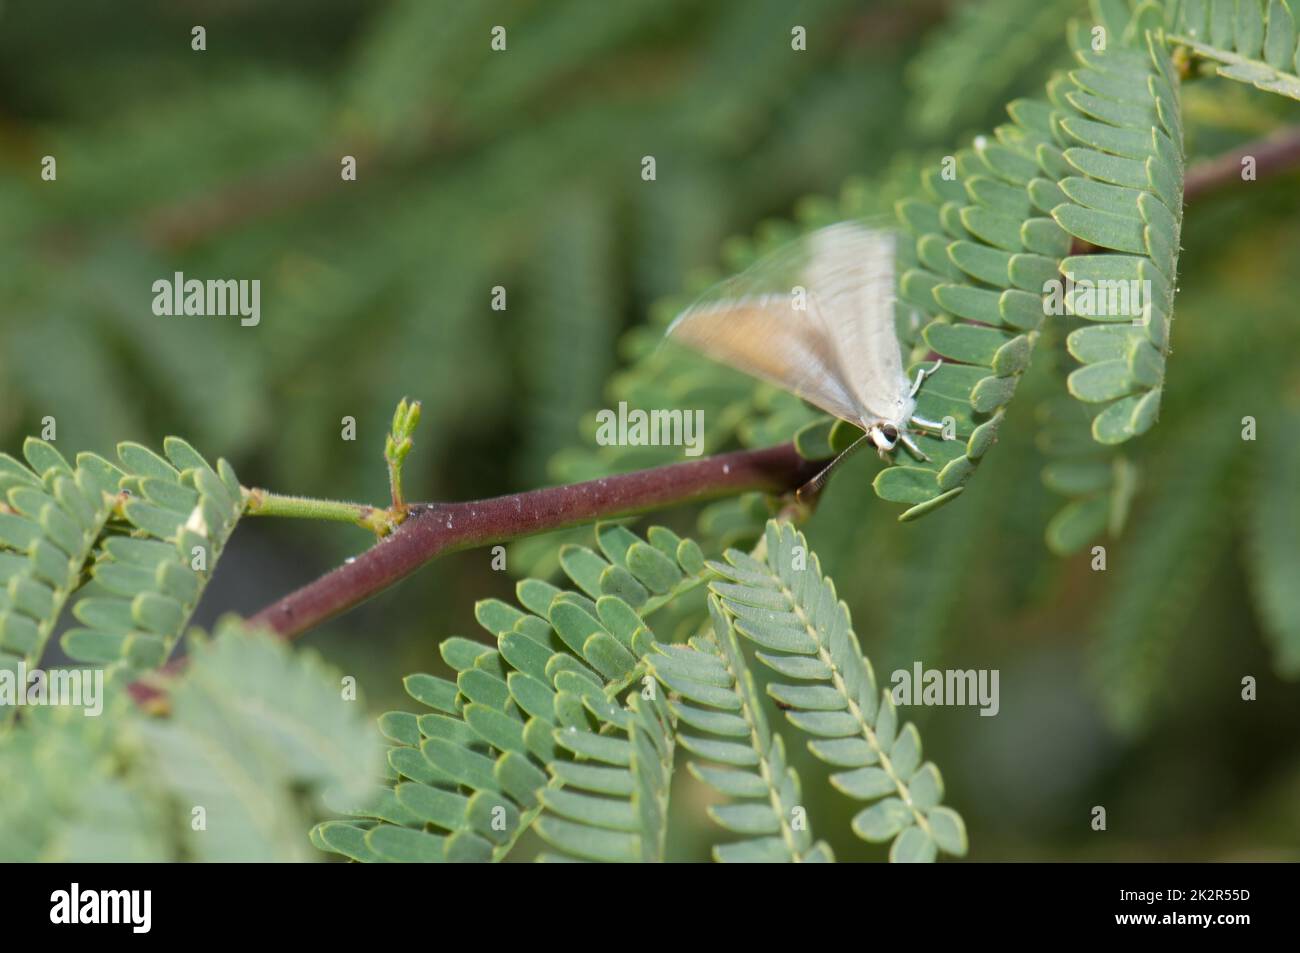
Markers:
{"x": 816, "y": 318}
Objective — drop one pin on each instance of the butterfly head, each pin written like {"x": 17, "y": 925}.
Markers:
{"x": 884, "y": 437}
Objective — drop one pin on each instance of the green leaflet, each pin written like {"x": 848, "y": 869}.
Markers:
{"x": 55, "y": 514}
{"x": 1255, "y": 41}
{"x": 790, "y": 612}
{"x": 721, "y": 721}
{"x": 532, "y": 730}
{"x": 146, "y": 585}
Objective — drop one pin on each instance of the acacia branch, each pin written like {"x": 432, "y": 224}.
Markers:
{"x": 433, "y": 529}
{"x": 437, "y": 528}
{"x": 1278, "y": 152}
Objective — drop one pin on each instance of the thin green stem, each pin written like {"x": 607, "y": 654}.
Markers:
{"x": 260, "y": 502}
{"x": 395, "y": 482}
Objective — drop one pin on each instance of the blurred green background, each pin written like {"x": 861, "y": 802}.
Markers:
{"x": 522, "y": 169}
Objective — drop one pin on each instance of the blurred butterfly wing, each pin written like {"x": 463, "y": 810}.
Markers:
{"x": 850, "y": 275}
{"x": 839, "y": 349}
{"x": 751, "y": 322}
{"x": 765, "y": 336}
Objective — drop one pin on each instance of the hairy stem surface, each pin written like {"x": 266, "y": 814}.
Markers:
{"x": 433, "y": 529}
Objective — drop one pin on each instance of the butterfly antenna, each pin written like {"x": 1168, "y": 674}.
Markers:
{"x": 814, "y": 486}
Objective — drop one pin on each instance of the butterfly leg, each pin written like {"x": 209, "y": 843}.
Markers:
{"x": 910, "y": 444}
{"x": 922, "y": 374}
{"x": 922, "y": 424}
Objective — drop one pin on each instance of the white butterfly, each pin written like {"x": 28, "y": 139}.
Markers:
{"x": 816, "y": 317}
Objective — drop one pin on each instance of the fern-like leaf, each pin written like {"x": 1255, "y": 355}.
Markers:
{"x": 1100, "y": 162}
{"x": 716, "y": 699}
{"x": 147, "y": 583}
{"x": 1255, "y": 41}
{"x": 48, "y": 528}
{"x": 469, "y": 771}
{"x": 1099, "y": 482}
{"x": 789, "y": 610}
{"x": 972, "y": 281}
{"x": 1120, "y": 125}
{"x": 621, "y": 813}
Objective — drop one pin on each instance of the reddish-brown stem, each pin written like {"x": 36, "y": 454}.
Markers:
{"x": 433, "y": 529}
{"x": 438, "y": 528}
{"x": 1276, "y": 153}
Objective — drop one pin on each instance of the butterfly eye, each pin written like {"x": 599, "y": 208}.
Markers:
{"x": 891, "y": 433}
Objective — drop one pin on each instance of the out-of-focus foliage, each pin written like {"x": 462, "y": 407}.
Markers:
{"x": 256, "y": 736}
{"x": 475, "y": 169}
{"x": 972, "y": 64}
{"x": 522, "y": 169}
